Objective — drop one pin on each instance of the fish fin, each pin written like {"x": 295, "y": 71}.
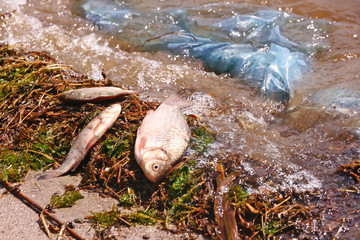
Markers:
{"x": 178, "y": 100}
{"x": 149, "y": 112}
{"x": 142, "y": 143}
{"x": 139, "y": 147}
{"x": 49, "y": 174}
{"x": 77, "y": 164}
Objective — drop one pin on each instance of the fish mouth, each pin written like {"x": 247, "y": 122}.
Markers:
{"x": 154, "y": 179}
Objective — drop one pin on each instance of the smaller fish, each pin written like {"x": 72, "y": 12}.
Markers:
{"x": 95, "y": 94}
{"x": 85, "y": 140}
{"x": 162, "y": 138}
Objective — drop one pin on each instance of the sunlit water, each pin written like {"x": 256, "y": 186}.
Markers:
{"x": 301, "y": 142}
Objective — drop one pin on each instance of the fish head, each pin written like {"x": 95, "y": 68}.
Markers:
{"x": 155, "y": 165}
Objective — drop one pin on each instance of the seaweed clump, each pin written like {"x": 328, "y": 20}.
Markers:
{"x": 191, "y": 200}
{"x": 65, "y": 200}
{"x": 28, "y": 85}
{"x": 36, "y": 128}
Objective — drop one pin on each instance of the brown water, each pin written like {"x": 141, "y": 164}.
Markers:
{"x": 302, "y": 144}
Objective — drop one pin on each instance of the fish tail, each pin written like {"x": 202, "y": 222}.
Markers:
{"x": 178, "y": 100}
{"x": 49, "y": 174}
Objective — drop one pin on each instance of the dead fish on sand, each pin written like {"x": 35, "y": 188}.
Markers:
{"x": 94, "y": 94}
{"x": 162, "y": 138}
{"x": 86, "y": 139}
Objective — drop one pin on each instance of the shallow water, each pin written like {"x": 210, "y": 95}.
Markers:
{"x": 301, "y": 142}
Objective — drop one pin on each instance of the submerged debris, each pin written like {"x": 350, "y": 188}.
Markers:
{"x": 352, "y": 169}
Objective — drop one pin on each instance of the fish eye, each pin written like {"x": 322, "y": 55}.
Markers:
{"x": 156, "y": 167}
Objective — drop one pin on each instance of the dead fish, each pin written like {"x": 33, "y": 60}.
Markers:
{"x": 87, "y": 138}
{"x": 84, "y": 95}
{"x": 162, "y": 138}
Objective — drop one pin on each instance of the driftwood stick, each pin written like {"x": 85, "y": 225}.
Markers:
{"x": 16, "y": 192}
{"x": 45, "y": 225}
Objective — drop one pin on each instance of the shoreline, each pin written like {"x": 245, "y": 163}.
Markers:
{"x": 37, "y": 132}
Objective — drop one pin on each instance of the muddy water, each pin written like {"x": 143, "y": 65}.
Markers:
{"x": 300, "y": 142}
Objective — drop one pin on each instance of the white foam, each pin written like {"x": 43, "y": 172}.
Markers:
{"x": 202, "y": 104}
{"x": 10, "y": 5}
{"x": 301, "y": 181}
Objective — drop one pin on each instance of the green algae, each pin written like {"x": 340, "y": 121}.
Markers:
{"x": 128, "y": 198}
{"x": 38, "y": 151}
{"x": 115, "y": 146}
{"x": 201, "y": 136}
{"x": 176, "y": 202}
{"x": 180, "y": 188}
{"x": 180, "y": 181}
{"x": 11, "y": 169}
{"x": 148, "y": 217}
{"x": 105, "y": 219}
{"x": 36, "y": 154}
{"x": 66, "y": 200}
{"x": 237, "y": 196}
{"x": 27, "y": 90}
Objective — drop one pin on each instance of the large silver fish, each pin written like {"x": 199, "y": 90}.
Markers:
{"x": 86, "y": 139}
{"x": 93, "y": 94}
{"x": 162, "y": 138}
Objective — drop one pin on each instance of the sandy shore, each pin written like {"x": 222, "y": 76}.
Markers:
{"x": 19, "y": 221}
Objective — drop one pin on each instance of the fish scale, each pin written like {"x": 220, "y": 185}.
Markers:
{"x": 171, "y": 139}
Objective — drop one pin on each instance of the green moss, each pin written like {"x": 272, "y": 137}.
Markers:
{"x": 66, "y": 200}
{"x": 200, "y": 139}
{"x": 272, "y": 228}
{"x": 185, "y": 195}
{"x": 38, "y": 150}
{"x": 148, "y": 217}
{"x": 105, "y": 219}
{"x": 5, "y": 89}
{"x": 115, "y": 146}
{"x": 19, "y": 77}
{"x": 237, "y": 196}
{"x": 11, "y": 170}
{"x": 128, "y": 198}
{"x": 15, "y": 164}
{"x": 179, "y": 182}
